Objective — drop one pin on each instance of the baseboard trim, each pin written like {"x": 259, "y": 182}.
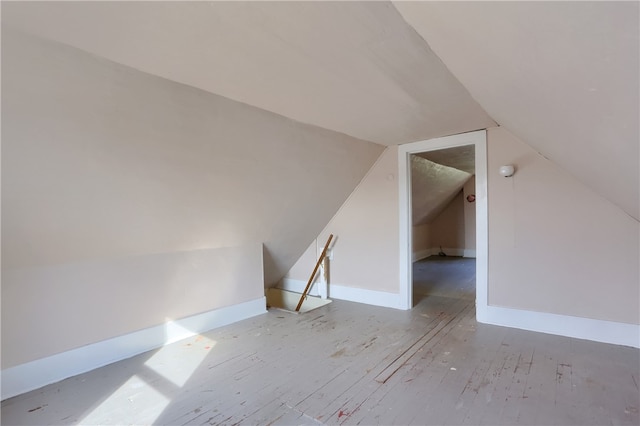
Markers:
{"x": 450, "y": 251}
{"x": 298, "y": 286}
{"x": 423, "y": 254}
{"x": 580, "y": 328}
{"x": 361, "y": 295}
{"x": 36, "y": 374}
{"x": 351, "y": 294}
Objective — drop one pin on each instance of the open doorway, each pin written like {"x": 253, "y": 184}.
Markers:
{"x": 443, "y": 223}
{"x": 478, "y": 141}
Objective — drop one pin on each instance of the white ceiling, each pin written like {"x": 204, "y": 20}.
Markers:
{"x": 562, "y": 76}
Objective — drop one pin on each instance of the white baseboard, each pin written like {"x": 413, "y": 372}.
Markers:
{"x": 352, "y": 294}
{"x": 298, "y": 286}
{"x": 580, "y": 328}
{"x": 36, "y": 374}
{"x": 423, "y": 254}
{"x": 469, "y": 253}
{"x": 369, "y": 297}
{"x": 450, "y": 251}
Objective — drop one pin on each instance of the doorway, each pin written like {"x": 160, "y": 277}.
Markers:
{"x": 478, "y": 140}
{"x": 443, "y": 223}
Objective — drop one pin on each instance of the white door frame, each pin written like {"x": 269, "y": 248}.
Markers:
{"x": 479, "y": 140}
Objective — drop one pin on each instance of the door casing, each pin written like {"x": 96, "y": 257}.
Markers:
{"x": 479, "y": 140}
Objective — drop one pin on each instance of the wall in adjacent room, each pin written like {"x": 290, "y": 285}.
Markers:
{"x": 447, "y": 229}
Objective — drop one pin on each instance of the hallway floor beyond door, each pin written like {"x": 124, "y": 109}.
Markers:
{"x": 445, "y": 276}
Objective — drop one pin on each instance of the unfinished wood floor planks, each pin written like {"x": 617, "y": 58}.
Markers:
{"x": 348, "y": 363}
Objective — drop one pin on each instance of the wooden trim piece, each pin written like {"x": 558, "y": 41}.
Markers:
{"x": 313, "y": 274}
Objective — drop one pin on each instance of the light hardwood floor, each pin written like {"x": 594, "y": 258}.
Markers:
{"x": 348, "y": 363}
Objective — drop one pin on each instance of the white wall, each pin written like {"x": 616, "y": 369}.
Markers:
{"x": 454, "y": 229}
{"x": 365, "y": 232}
{"x": 447, "y": 230}
{"x": 55, "y": 308}
{"x": 555, "y": 245}
{"x": 109, "y": 173}
{"x": 421, "y": 246}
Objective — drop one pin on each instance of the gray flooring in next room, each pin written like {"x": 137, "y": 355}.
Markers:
{"x": 445, "y": 276}
{"x": 349, "y": 363}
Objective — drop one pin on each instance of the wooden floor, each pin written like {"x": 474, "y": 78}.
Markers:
{"x": 348, "y": 363}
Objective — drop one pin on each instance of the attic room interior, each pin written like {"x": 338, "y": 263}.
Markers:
{"x": 165, "y": 164}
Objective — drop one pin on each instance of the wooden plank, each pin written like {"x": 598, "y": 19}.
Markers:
{"x": 444, "y": 325}
{"x": 487, "y": 407}
{"x": 313, "y": 274}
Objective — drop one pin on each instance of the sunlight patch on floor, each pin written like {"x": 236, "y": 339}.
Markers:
{"x": 177, "y": 363}
{"x": 143, "y": 398}
{"x": 133, "y": 400}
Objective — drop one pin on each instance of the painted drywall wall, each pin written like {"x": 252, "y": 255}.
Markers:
{"x": 365, "y": 229}
{"x": 447, "y": 230}
{"x": 103, "y": 165}
{"x": 303, "y": 267}
{"x": 555, "y": 245}
{"x": 421, "y": 246}
{"x": 51, "y": 309}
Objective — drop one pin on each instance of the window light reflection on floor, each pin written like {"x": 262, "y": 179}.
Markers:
{"x": 143, "y": 398}
{"x": 135, "y": 402}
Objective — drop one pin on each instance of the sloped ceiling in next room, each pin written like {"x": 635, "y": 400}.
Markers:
{"x": 436, "y": 178}
{"x": 433, "y": 186}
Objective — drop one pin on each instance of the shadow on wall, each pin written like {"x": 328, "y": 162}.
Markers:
{"x": 268, "y": 265}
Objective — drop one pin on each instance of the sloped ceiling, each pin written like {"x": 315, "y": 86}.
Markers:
{"x": 460, "y": 157}
{"x": 352, "y": 67}
{"x": 562, "y": 76}
{"x": 433, "y": 186}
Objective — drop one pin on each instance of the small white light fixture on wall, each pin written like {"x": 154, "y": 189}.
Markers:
{"x": 507, "y": 171}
